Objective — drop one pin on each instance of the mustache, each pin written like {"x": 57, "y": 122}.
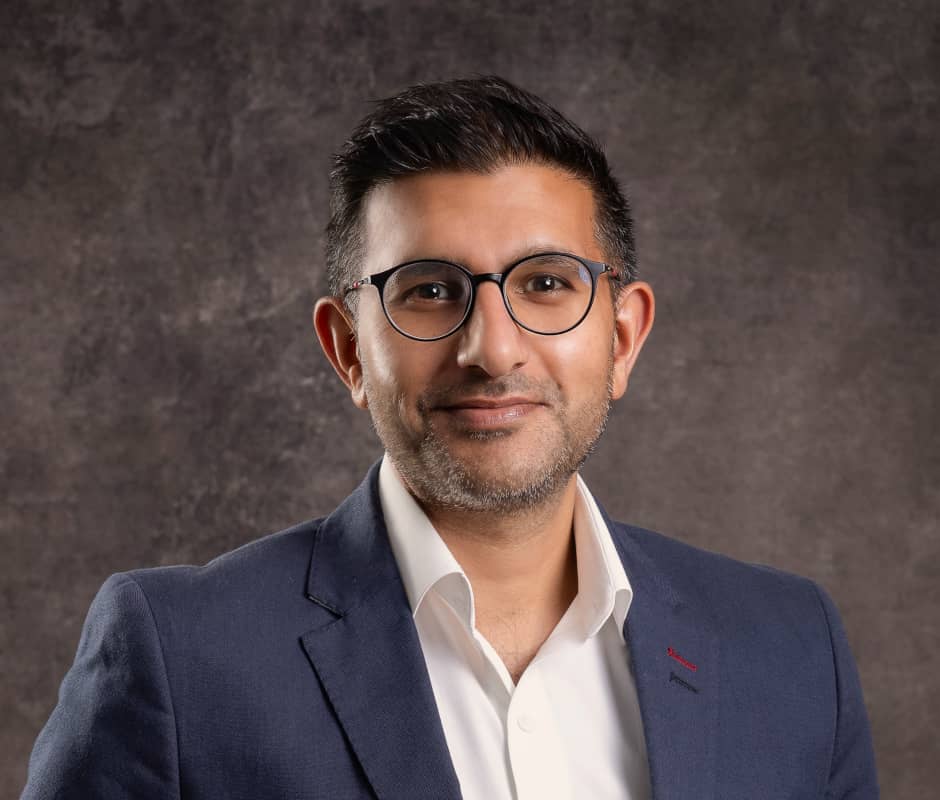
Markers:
{"x": 546, "y": 392}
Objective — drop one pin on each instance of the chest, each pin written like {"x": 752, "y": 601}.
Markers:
{"x": 568, "y": 719}
{"x": 515, "y": 638}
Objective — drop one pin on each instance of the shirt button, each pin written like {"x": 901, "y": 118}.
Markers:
{"x": 526, "y": 723}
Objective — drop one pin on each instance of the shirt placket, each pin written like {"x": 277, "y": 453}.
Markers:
{"x": 536, "y": 753}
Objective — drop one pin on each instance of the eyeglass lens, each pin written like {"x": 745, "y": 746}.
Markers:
{"x": 547, "y": 294}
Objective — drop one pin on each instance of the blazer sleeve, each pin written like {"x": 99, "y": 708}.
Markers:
{"x": 852, "y": 774}
{"x": 112, "y": 733}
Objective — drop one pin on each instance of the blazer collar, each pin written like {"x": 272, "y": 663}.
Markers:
{"x": 351, "y": 558}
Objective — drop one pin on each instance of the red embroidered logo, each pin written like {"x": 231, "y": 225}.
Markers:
{"x": 673, "y": 654}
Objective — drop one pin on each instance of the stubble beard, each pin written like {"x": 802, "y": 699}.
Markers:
{"x": 441, "y": 480}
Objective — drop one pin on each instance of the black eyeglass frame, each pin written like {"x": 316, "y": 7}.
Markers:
{"x": 379, "y": 279}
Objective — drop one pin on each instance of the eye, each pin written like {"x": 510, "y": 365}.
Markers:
{"x": 431, "y": 291}
{"x": 545, "y": 283}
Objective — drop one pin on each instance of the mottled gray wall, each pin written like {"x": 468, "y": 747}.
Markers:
{"x": 162, "y": 198}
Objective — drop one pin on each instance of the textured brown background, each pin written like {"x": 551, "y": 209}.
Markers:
{"x": 162, "y": 197}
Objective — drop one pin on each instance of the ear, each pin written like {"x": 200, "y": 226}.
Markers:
{"x": 633, "y": 319}
{"x": 337, "y": 334}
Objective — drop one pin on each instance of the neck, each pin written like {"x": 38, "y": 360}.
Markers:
{"x": 519, "y": 563}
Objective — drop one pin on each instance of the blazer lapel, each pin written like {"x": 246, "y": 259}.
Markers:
{"x": 368, "y": 657}
{"x": 675, "y": 660}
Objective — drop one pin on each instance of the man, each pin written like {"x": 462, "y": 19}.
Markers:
{"x": 469, "y": 622}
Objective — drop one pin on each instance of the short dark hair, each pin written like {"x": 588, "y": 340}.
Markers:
{"x": 474, "y": 125}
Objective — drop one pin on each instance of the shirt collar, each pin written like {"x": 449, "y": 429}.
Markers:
{"x": 603, "y": 587}
{"x": 426, "y": 563}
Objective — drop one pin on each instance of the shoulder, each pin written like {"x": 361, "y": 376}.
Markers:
{"x": 696, "y": 566}
{"x": 254, "y": 560}
{"x": 726, "y": 589}
{"x": 260, "y": 575}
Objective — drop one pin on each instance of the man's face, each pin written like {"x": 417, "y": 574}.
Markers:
{"x": 432, "y": 403}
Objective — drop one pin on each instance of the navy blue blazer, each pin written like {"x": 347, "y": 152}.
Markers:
{"x": 291, "y": 668}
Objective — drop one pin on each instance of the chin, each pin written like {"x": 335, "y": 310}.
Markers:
{"x": 496, "y": 486}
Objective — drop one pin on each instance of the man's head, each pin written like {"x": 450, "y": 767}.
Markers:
{"x": 493, "y": 417}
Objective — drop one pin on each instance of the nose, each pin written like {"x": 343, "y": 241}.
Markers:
{"x": 490, "y": 338}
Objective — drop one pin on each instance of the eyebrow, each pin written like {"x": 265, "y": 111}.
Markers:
{"x": 524, "y": 252}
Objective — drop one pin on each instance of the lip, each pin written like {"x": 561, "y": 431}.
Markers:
{"x": 489, "y": 413}
{"x": 489, "y": 402}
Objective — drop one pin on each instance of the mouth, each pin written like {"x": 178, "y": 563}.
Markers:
{"x": 489, "y": 412}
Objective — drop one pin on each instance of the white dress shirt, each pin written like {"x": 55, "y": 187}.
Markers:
{"x": 571, "y": 727}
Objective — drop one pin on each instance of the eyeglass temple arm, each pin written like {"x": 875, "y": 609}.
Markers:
{"x": 357, "y": 284}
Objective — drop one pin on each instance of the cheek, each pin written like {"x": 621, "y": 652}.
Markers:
{"x": 394, "y": 365}
{"x": 580, "y": 362}
{"x": 376, "y": 346}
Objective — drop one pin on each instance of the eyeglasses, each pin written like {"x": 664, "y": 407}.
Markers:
{"x": 546, "y": 293}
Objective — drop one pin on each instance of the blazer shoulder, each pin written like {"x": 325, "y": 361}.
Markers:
{"x": 270, "y": 548}
{"x": 273, "y": 564}
{"x": 718, "y": 582}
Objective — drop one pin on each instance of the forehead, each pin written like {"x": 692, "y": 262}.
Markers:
{"x": 483, "y": 220}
